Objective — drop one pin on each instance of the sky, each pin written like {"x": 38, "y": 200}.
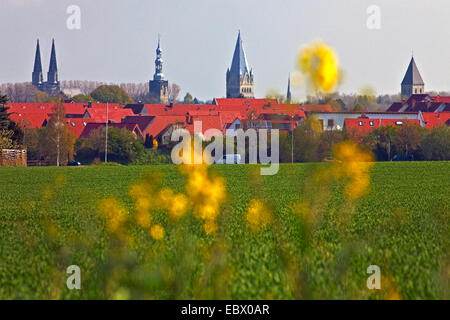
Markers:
{"x": 117, "y": 39}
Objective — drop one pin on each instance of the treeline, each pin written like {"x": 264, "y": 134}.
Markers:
{"x": 93, "y": 91}
{"x": 406, "y": 142}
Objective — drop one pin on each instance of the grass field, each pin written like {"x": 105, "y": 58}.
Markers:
{"x": 314, "y": 242}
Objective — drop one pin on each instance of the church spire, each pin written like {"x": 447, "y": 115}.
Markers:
{"x": 52, "y": 75}
{"x": 36, "y": 77}
{"x": 412, "y": 75}
{"x": 159, "y": 75}
{"x": 239, "y": 76}
{"x": 412, "y": 81}
{"x": 239, "y": 64}
{"x": 288, "y": 93}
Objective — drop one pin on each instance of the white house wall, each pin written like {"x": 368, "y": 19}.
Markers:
{"x": 339, "y": 117}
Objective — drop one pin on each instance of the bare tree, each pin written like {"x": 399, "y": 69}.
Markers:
{"x": 19, "y": 92}
{"x": 174, "y": 91}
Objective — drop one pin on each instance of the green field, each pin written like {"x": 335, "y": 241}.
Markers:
{"x": 49, "y": 219}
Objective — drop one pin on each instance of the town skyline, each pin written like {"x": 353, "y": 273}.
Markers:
{"x": 207, "y": 80}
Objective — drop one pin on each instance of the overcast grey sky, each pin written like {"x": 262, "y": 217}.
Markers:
{"x": 117, "y": 40}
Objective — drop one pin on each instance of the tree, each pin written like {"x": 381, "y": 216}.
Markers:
{"x": 327, "y": 140}
{"x": 19, "y": 92}
{"x": 57, "y": 142}
{"x": 436, "y": 144}
{"x": 31, "y": 142}
{"x": 188, "y": 99}
{"x": 148, "y": 141}
{"x": 408, "y": 138}
{"x": 123, "y": 146}
{"x": 380, "y": 140}
{"x": 4, "y": 115}
{"x": 174, "y": 91}
{"x": 358, "y": 107}
{"x": 83, "y": 98}
{"x": 111, "y": 93}
{"x": 40, "y": 97}
{"x": 306, "y": 142}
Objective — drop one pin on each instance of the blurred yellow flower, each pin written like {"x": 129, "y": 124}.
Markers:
{"x": 114, "y": 213}
{"x": 157, "y": 232}
{"x": 258, "y": 215}
{"x": 210, "y": 227}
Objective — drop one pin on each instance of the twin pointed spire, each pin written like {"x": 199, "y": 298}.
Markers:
{"x": 37, "y": 77}
{"x": 52, "y": 75}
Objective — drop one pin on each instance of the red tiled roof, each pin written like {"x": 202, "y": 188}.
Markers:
{"x": 226, "y": 102}
{"x": 207, "y": 122}
{"x": 366, "y": 124}
{"x": 433, "y": 119}
{"x": 142, "y": 121}
{"x": 161, "y": 122}
{"x": 441, "y": 99}
{"x": 77, "y": 125}
{"x": 418, "y": 98}
{"x": 29, "y": 120}
{"x": 71, "y": 108}
{"x": 114, "y": 114}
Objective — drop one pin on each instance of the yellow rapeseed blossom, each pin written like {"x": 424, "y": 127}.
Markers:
{"x": 114, "y": 213}
{"x": 258, "y": 215}
{"x": 206, "y": 193}
{"x": 355, "y": 164}
{"x": 210, "y": 227}
{"x": 142, "y": 208}
{"x": 178, "y": 206}
{"x": 157, "y": 232}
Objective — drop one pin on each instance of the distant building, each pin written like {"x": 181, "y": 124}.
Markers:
{"x": 412, "y": 82}
{"x": 159, "y": 88}
{"x": 288, "y": 93}
{"x": 422, "y": 102}
{"x": 52, "y": 86}
{"x": 239, "y": 76}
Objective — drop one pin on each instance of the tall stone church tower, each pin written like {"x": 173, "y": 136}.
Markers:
{"x": 239, "y": 76}
{"x": 52, "y": 85}
{"x": 412, "y": 82}
{"x": 159, "y": 88}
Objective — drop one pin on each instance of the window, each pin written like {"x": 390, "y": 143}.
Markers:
{"x": 72, "y": 123}
{"x": 415, "y": 90}
{"x": 398, "y": 123}
{"x": 360, "y": 123}
{"x": 330, "y": 123}
{"x": 371, "y": 123}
